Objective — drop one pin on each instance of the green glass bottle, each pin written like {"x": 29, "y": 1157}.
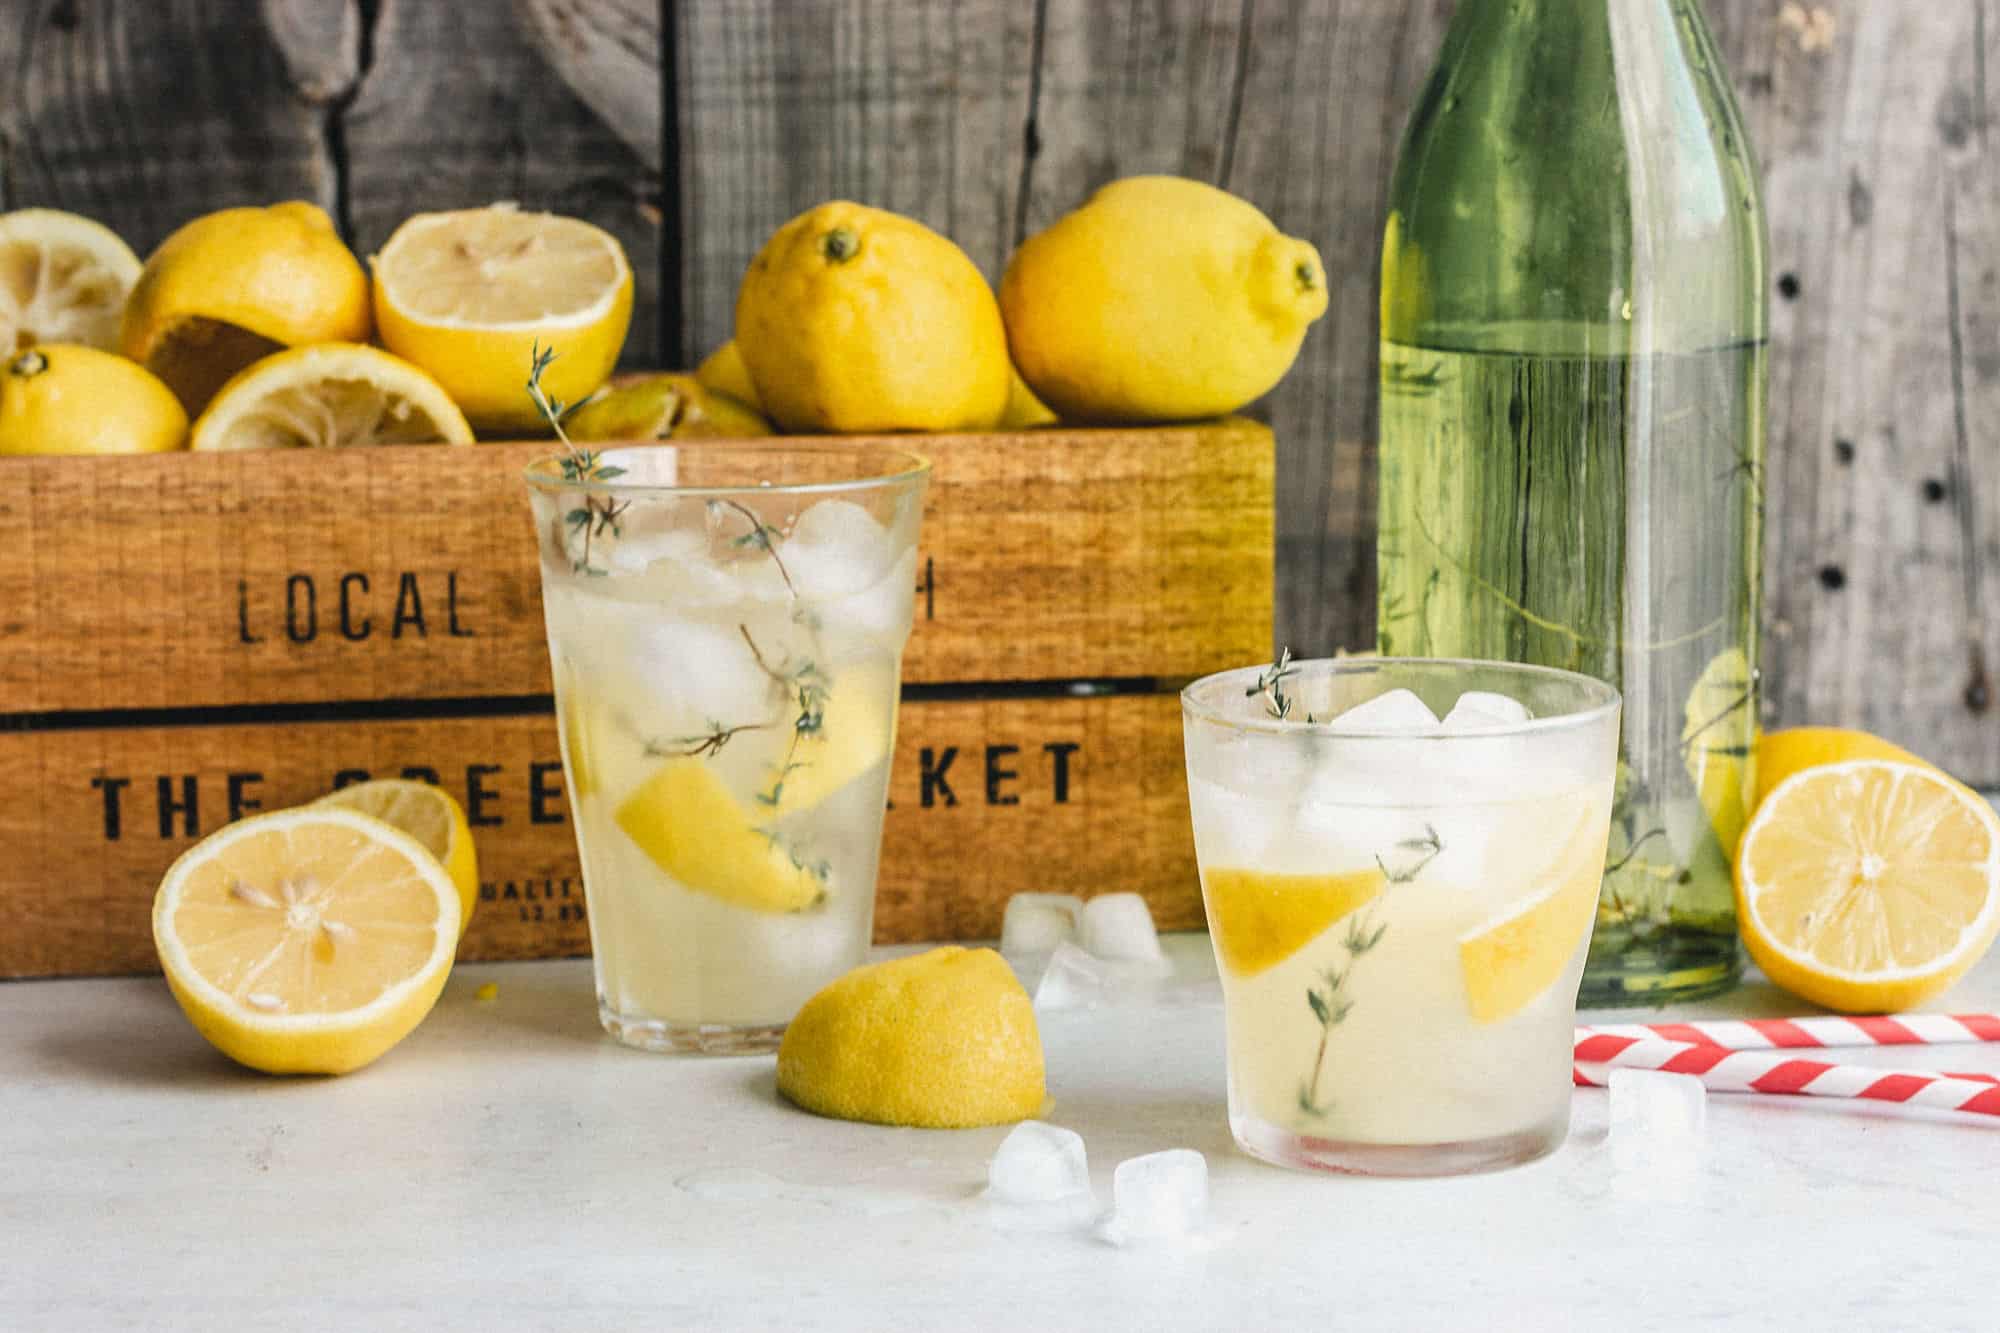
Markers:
{"x": 1572, "y": 425}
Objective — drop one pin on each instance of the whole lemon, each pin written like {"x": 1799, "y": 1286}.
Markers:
{"x": 234, "y": 286}
{"x": 940, "y": 1040}
{"x": 1161, "y": 299}
{"x": 853, "y": 319}
{"x": 69, "y": 399}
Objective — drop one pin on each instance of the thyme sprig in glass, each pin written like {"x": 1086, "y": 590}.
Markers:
{"x": 598, "y": 515}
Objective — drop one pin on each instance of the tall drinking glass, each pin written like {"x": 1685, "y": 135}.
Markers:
{"x": 726, "y": 624}
{"x": 1400, "y": 907}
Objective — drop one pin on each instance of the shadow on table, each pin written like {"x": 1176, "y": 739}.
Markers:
{"x": 553, "y": 999}
{"x": 150, "y": 1044}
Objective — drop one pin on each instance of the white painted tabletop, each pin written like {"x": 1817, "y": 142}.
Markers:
{"x": 507, "y": 1167}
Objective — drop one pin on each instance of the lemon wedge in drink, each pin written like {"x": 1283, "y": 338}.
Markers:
{"x": 306, "y": 941}
{"x": 431, "y": 816}
{"x": 1512, "y": 959}
{"x": 685, "y": 820}
{"x": 1260, "y": 918}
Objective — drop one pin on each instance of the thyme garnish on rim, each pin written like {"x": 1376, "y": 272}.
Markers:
{"x": 598, "y": 515}
{"x": 1271, "y": 685}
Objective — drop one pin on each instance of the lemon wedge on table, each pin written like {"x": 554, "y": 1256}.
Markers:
{"x": 1869, "y": 886}
{"x": 63, "y": 279}
{"x": 64, "y": 399}
{"x": 468, "y": 295}
{"x": 327, "y": 396}
{"x": 939, "y": 1040}
{"x": 430, "y": 815}
{"x": 306, "y": 941}
{"x": 1258, "y": 919}
{"x": 234, "y": 286}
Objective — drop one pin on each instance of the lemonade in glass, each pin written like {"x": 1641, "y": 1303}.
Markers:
{"x": 1400, "y": 905}
{"x": 726, "y": 624}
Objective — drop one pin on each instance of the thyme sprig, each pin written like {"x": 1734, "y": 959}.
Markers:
{"x": 1330, "y": 1005}
{"x": 1270, "y": 684}
{"x": 1412, "y": 855}
{"x": 762, "y": 536}
{"x": 598, "y": 515}
{"x": 807, "y": 686}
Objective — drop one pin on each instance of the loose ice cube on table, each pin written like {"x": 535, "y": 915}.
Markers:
{"x": 1398, "y": 710}
{"x": 1037, "y": 922}
{"x": 1038, "y": 1163}
{"x": 1162, "y": 1196}
{"x": 1119, "y": 926}
{"x": 1657, "y": 1120}
{"x": 1482, "y": 708}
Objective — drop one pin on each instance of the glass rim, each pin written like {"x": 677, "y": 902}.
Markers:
{"x": 1608, "y": 700}
{"x": 545, "y": 473}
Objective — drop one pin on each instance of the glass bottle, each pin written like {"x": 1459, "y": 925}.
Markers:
{"x": 1573, "y": 380}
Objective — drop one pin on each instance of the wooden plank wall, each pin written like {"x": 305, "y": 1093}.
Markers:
{"x": 692, "y": 129}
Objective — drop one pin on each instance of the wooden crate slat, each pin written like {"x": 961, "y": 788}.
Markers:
{"x": 1096, "y": 802}
{"x": 409, "y": 573}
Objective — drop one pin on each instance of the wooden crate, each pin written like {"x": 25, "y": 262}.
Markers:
{"x": 185, "y": 638}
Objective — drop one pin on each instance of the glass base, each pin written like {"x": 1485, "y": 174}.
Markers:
{"x": 653, "y": 1034}
{"x": 1304, "y": 1152}
{"x": 1666, "y": 965}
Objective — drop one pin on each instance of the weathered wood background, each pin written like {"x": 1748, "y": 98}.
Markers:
{"x": 691, "y": 130}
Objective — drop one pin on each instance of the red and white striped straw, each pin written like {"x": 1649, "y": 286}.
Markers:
{"x": 1723, "y": 1070}
{"x": 1764, "y": 1034}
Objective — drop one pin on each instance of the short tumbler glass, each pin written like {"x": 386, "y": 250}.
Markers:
{"x": 1400, "y": 908}
{"x": 726, "y": 624}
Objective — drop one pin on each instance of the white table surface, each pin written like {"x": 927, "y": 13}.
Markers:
{"x": 507, "y": 1167}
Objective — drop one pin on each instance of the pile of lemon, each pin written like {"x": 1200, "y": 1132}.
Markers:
{"x": 254, "y": 328}
{"x": 250, "y": 328}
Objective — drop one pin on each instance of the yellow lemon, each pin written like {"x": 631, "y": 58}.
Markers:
{"x": 63, "y": 279}
{"x": 63, "y": 399}
{"x": 940, "y": 1040}
{"x": 468, "y": 295}
{"x": 1512, "y": 959}
{"x": 1258, "y": 918}
{"x": 1794, "y": 749}
{"x": 663, "y": 407}
{"x": 724, "y": 373}
{"x": 1717, "y": 745}
{"x": 686, "y": 821}
{"x": 1869, "y": 886}
{"x": 232, "y": 287}
{"x": 1024, "y": 411}
{"x": 327, "y": 396}
{"x": 1161, "y": 299}
{"x": 431, "y": 816}
{"x": 853, "y": 319}
{"x": 306, "y": 941}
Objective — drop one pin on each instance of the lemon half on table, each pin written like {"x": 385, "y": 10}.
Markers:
{"x": 306, "y": 941}
{"x": 430, "y": 815}
{"x": 469, "y": 295}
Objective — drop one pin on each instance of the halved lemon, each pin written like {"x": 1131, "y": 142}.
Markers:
{"x": 1792, "y": 750}
{"x": 431, "y": 816}
{"x": 1510, "y": 961}
{"x": 1869, "y": 886}
{"x": 326, "y": 396}
{"x": 685, "y": 820}
{"x": 63, "y": 279}
{"x": 306, "y": 941}
{"x": 468, "y": 295}
{"x": 1260, "y": 918}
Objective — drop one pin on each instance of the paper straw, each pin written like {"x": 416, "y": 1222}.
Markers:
{"x": 1722, "y": 1070}
{"x": 1764, "y": 1034}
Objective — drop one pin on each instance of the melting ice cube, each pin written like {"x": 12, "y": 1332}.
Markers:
{"x": 1398, "y": 710}
{"x": 1657, "y": 1121}
{"x": 1162, "y": 1196}
{"x": 1480, "y": 709}
{"x": 1038, "y": 1163}
{"x": 836, "y": 549}
{"x": 1037, "y": 922}
{"x": 1119, "y": 926}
